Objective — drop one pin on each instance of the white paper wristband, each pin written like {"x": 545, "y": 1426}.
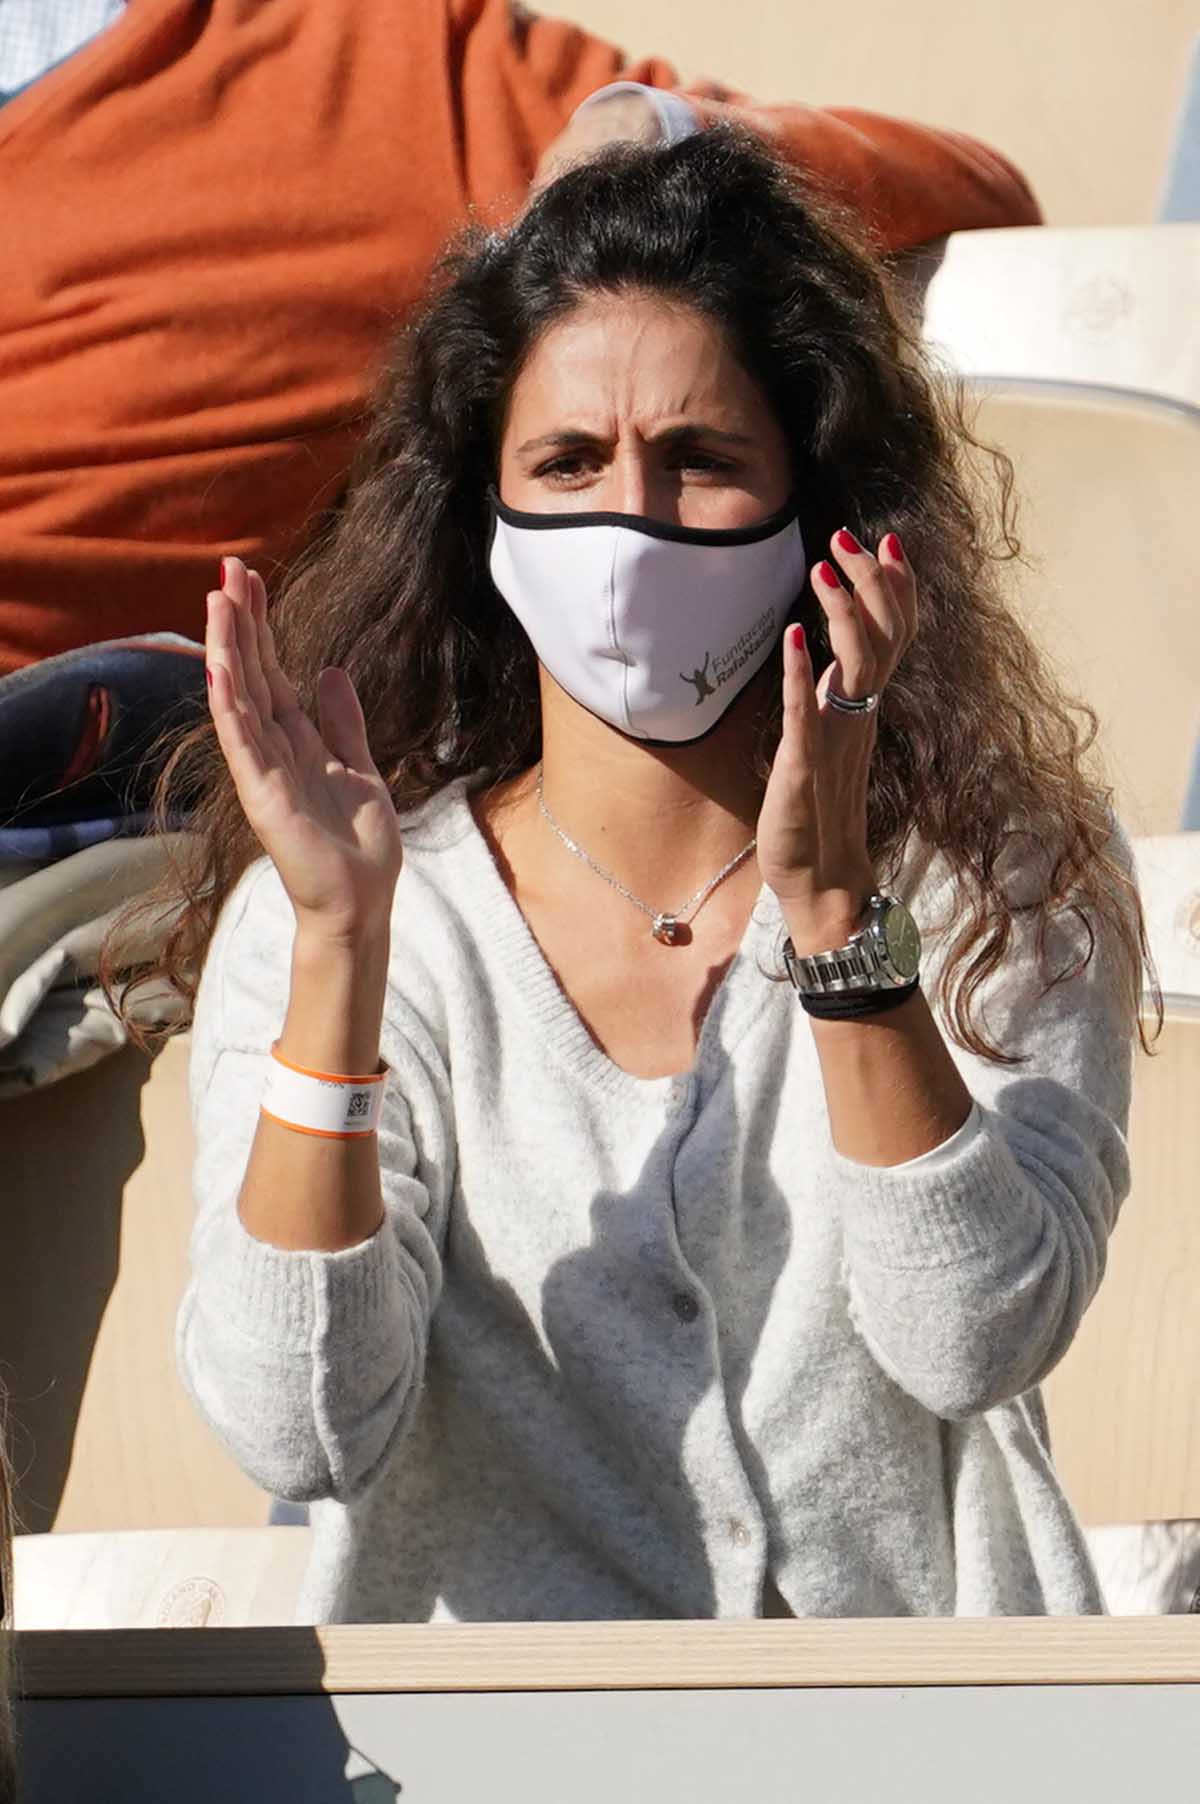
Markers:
{"x": 325, "y": 1103}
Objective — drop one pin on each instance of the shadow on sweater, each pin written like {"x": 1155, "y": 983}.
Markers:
{"x": 585, "y": 1413}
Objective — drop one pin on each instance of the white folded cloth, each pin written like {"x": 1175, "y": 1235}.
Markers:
{"x": 1148, "y": 1568}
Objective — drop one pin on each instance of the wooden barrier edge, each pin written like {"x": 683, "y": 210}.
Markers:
{"x": 449, "y": 1657}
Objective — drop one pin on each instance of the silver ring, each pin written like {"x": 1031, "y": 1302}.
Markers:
{"x": 844, "y": 705}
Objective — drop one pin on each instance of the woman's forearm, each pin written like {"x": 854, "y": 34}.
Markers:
{"x": 301, "y": 1191}
{"x": 892, "y": 1089}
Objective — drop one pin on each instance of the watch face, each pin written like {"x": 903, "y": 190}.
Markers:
{"x": 903, "y": 940}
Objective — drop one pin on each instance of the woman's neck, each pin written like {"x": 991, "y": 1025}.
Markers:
{"x": 662, "y": 819}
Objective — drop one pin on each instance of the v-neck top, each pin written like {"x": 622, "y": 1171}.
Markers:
{"x": 650, "y": 1347}
{"x": 735, "y": 1003}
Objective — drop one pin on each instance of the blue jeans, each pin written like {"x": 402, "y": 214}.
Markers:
{"x": 1191, "y": 802}
{"x": 1181, "y": 199}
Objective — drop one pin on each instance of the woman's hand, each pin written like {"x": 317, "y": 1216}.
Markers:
{"x": 315, "y": 799}
{"x": 812, "y": 828}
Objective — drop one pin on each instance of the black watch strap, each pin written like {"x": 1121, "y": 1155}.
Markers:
{"x": 854, "y": 1008}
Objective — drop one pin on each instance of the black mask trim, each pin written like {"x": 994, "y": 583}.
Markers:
{"x": 653, "y": 529}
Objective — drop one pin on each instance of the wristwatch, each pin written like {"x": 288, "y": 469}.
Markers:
{"x": 884, "y": 954}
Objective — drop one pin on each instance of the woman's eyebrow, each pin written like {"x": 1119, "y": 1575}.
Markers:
{"x": 572, "y": 438}
{"x": 698, "y": 429}
{"x": 567, "y": 437}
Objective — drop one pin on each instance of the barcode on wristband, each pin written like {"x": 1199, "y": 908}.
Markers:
{"x": 320, "y": 1105}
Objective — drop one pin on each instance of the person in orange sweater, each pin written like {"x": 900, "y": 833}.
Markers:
{"x": 216, "y": 217}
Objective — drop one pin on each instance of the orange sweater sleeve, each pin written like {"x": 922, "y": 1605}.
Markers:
{"x": 523, "y": 75}
{"x": 908, "y": 182}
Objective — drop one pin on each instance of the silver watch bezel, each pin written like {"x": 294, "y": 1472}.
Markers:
{"x": 863, "y": 964}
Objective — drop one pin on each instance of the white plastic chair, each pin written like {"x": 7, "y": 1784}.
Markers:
{"x": 1108, "y": 485}
{"x": 95, "y": 1215}
{"x": 1124, "y": 1404}
{"x": 1111, "y": 306}
{"x": 159, "y": 1578}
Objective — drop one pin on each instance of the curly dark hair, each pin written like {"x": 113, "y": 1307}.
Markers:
{"x": 976, "y": 741}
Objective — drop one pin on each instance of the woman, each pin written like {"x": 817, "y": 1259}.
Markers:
{"x": 621, "y": 1260}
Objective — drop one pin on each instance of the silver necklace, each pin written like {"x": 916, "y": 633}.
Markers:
{"x": 665, "y": 927}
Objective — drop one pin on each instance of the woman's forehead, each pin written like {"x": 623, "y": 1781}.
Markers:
{"x": 634, "y": 356}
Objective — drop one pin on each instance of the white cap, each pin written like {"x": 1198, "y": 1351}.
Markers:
{"x": 677, "y": 118}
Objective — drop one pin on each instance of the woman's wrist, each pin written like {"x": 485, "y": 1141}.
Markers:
{"x": 827, "y": 918}
{"x": 364, "y": 943}
{"x": 335, "y": 1006}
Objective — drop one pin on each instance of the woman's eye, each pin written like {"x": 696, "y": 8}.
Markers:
{"x": 696, "y": 460}
{"x": 562, "y": 467}
{"x": 573, "y": 465}
{"x": 701, "y": 463}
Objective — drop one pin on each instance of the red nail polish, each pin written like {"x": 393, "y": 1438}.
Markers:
{"x": 222, "y": 572}
{"x": 827, "y": 574}
{"x": 847, "y": 541}
{"x": 894, "y": 548}
{"x": 798, "y": 637}
{"x": 208, "y": 674}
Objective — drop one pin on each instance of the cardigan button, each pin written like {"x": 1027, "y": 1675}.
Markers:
{"x": 685, "y": 1306}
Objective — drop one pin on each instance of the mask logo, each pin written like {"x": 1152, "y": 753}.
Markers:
{"x": 648, "y": 603}
{"x": 700, "y": 678}
{"x": 730, "y": 662}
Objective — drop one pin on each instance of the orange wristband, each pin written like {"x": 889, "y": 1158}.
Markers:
{"x": 328, "y": 1104}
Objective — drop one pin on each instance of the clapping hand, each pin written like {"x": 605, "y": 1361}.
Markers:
{"x": 312, "y": 794}
{"x": 812, "y": 828}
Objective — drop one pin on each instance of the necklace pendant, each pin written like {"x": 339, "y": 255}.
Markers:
{"x": 665, "y": 929}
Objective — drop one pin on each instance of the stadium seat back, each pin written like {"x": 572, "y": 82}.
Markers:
{"x": 1108, "y": 487}
{"x": 1111, "y": 306}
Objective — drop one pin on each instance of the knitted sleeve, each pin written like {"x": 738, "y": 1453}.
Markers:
{"x": 307, "y": 1365}
{"x": 968, "y": 1279}
{"x": 523, "y": 76}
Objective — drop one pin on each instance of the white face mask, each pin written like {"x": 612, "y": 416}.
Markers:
{"x": 654, "y": 628}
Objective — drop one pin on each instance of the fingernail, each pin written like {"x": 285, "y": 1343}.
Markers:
{"x": 847, "y": 541}
{"x": 798, "y": 637}
{"x": 894, "y": 548}
{"x": 208, "y": 674}
{"x": 827, "y": 574}
{"x": 222, "y": 572}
